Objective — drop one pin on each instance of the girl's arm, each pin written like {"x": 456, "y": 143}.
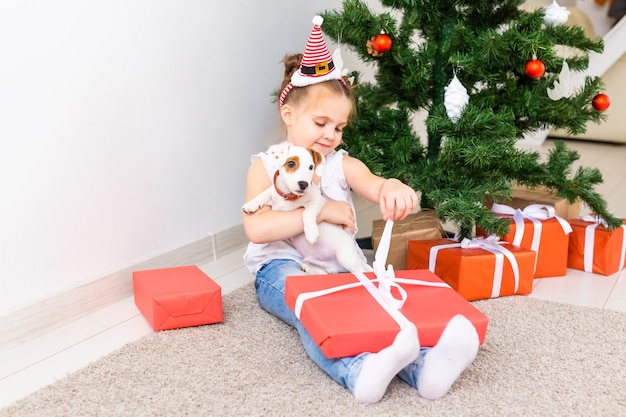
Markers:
{"x": 267, "y": 225}
{"x": 396, "y": 199}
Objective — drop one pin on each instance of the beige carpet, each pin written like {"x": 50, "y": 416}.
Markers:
{"x": 539, "y": 358}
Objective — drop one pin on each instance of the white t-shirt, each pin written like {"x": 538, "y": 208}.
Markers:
{"x": 334, "y": 188}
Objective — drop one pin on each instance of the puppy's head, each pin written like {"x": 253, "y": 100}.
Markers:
{"x": 296, "y": 173}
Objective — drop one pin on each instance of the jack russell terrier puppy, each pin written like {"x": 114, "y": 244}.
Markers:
{"x": 326, "y": 247}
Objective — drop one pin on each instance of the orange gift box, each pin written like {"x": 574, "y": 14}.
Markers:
{"x": 538, "y": 228}
{"x": 593, "y": 248}
{"x": 171, "y": 298}
{"x": 351, "y": 321}
{"x": 476, "y": 272}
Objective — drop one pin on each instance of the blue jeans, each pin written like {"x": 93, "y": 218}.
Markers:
{"x": 270, "y": 290}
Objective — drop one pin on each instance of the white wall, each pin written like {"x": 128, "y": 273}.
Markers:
{"x": 126, "y": 128}
{"x": 598, "y": 15}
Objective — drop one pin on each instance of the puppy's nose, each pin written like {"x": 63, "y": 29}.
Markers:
{"x": 303, "y": 185}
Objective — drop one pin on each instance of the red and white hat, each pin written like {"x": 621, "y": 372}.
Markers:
{"x": 317, "y": 64}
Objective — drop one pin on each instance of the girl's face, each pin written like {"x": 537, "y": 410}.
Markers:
{"x": 318, "y": 121}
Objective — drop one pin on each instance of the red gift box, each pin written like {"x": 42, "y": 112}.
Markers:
{"x": 593, "y": 248}
{"x": 351, "y": 321}
{"x": 476, "y": 268}
{"x": 538, "y": 228}
{"x": 171, "y": 298}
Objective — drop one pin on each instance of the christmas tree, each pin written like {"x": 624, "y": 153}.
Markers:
{"x": 486, "y": 73}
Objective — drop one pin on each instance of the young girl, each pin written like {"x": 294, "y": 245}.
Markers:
{"x": 315, "y": 106}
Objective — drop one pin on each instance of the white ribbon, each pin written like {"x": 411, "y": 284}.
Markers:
{"x": 490, "y": 244}
{"x": 590, "y": 233}
{"x": 386, "y": 280}
{"x": 536, "y": 213}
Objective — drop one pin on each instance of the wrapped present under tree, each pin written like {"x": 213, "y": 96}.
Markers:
{"x": 476, "y": 268}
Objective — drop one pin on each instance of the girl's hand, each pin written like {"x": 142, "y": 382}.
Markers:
{"x": 337, "y": 212}
{"x": 396, "y": 199}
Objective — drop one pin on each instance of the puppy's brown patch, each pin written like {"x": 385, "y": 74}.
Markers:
{"x": 292, "y": 164}
{"x": 317, "y": 157}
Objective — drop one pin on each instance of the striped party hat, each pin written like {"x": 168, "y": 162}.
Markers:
{"x": 317, "y": 64}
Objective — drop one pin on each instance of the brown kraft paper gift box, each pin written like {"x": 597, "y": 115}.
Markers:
{"x": 525, "y": 196}
{"x": 416, "y": 226}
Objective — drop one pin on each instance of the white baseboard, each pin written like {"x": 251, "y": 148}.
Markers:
{"x": 55, "y": 311}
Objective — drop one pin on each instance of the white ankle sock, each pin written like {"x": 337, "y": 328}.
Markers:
{"x": 456, "y": 349}
{"x": 380, "y": 368}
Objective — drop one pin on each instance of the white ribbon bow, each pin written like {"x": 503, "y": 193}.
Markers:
{"x": 385, "y": 278}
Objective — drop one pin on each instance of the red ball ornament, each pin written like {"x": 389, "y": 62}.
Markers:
{"x": 382, "y": 42}
{"x": 534, "y": 68}
{"x": 601, "y": 102}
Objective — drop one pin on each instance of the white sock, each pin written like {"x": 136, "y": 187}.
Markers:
{"x": 456, "y": 349}
{"x": 380, "y": 368}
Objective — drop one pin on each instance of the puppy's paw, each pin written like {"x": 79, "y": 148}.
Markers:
{"x": 311, "y": 269}
{"x": 312, "y": 233}
{"x": 250, "y": 207}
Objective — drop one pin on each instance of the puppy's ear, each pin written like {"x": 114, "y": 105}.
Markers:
{"x": 279, "y": 152}
{"x": 318, "y": 160}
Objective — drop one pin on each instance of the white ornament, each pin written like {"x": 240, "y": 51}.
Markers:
{"x": 555, "y": 14}
{"x": 455, "y": 99}
{"x": 338, "y": 60}
{"x": 565, "y": 85}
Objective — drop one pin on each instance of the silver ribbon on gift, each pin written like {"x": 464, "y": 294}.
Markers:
{"x": 490, "y": 244}
{"x": 590, "y": 233}
{"x": 386, "y": 279}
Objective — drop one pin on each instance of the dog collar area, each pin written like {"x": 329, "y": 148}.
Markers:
{"x": 290, "y": 196}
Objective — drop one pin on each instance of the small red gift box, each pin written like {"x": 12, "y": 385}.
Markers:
{"x": 347, "y": 322}
{"x": 538, "y": 228}
{"x": 476, "y": 268}
{"x": 593, "y": 248}
{"x": 171, "y": 298}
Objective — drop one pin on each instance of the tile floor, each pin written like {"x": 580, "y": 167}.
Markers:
{"x": 41, "y": 361}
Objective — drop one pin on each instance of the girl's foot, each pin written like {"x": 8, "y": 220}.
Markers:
{"x": 380, "y": 368}
{"x": 456, "y": 349}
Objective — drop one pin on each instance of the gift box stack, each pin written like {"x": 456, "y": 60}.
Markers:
{"x": 487, "y": 267}
{"x": 541, "y": 224}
